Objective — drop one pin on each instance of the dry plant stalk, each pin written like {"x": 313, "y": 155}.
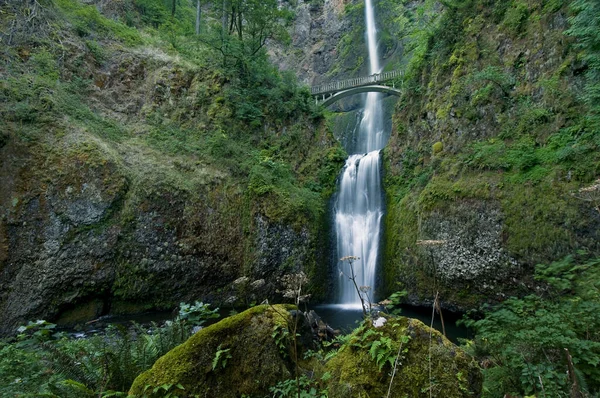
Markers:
{"x": 352, "y": 277}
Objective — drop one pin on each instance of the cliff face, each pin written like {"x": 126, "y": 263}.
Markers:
{"x": 134, "y": 176}
{"x": 315, "y": 34}
{"x": 490, "y": 154}
{"x": 129, "y": 182}
{"x": 492, "y": 159}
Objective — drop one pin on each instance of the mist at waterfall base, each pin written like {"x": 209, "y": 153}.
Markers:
{"x": 358, "y": 209}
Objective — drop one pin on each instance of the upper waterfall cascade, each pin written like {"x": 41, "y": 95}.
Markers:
{"x": 359, "y": 205}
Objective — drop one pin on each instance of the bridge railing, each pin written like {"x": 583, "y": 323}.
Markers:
{"x": 355, "y": 82}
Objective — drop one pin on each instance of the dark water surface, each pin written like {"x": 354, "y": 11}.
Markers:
{"x": 346, "y": 318}
{"x": 341, "y": 317}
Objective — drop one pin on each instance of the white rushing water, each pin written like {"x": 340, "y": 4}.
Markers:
{"x": 359, "y": 207}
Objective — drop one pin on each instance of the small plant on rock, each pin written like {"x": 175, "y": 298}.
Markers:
{"x": 221, "y": 357}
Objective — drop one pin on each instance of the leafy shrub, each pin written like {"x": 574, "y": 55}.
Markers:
{"x": 497, "y": 77}
{"x": 524, "y": 339}
{"x": 153, "y": 12}
{"x": 196, "y": 314}
{"x": 516, "y": 16}
{"x": 303, "y": 388}
{"x": 585, "y": 26}
{"x": 44, "y": 361}
{"x": 87, "y": 20}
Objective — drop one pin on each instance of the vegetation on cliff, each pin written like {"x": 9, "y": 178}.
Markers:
{"x": 505, "y": 88}
{"x": 161, "y": 151}
{"x": 143, "y": 163}
{"x": 492, "y": 170}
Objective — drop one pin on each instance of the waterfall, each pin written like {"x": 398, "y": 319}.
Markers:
{"x": 359, "y": 206}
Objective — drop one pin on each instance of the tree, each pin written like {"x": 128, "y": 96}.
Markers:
{"x": 246, "y": 27}
{"x": 585, "y": 26}
{"x": 198, "y": 13}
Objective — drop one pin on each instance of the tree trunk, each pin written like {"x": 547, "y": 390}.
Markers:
{"x": 224, "y": 19}
{"x": 173, "y": 7}
{"x": 198, "y": 11}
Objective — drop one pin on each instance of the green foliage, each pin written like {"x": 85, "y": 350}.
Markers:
{"x": 525, "y": 338}
{"x": 585, "y": 26}
{"x": 497, "y": 77}
{"x": 167, "y": 390}
{"x": 393, "y": 303}
{"x": 381, "y": 348}
{"x": 106, "y": 363}
{"x": 22, "y": 372}
{"x": 274, "y": 181}
{"x": 382, "y": 352}
{"x": 36, "y": 95}
{"x": 495, "y": 155}
{"x": 281, "y": 336}
{"x": 35, "y": 332}
{"x": 153, "y": 12}
{"x": 87, "y": 21}
{"x": 221, "y": 357}
{"x": 515, "y": 16}
{"x": 243, "y": 29}
{"x": 196, "y": 314}
{"x": 303, "y": 388}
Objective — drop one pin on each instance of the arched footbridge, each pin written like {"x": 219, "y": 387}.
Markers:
{"x": 327, "y": 94}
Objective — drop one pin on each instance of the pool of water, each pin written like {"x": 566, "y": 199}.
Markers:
{"x": 345, "y": 318}
{"x": 340, "y": 317}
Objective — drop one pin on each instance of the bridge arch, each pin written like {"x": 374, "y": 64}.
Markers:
{"x": 357, "y": 90}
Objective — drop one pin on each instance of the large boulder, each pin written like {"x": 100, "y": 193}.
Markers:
{"x": 364, "y": 365}
{"x": 242, "y": 355}
{"x": 246, "y": 354}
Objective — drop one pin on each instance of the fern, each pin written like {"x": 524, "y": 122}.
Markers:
{"x": 71, "y": 367}
{"x": 382, "y": 351}
{"x": 527, "y": 337}
{"x": 585, "y": 26}
{"x": 221, "y": 357}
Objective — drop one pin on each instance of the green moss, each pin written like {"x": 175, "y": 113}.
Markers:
{"x": 515, "y": 137}
{"x": 247, "y": 335}
{"x": 118, "y": 307}
{"x": 516, "y": 17}
{"x": 87, "y": 19}
{"x": 82, "y": 312}
{"x": 442, "y": 190}
{"x": 437, "y": 148}
{"x": 546, "y": 230}
{"x": 355, "y": 372}
{"x": 401, "y": 234}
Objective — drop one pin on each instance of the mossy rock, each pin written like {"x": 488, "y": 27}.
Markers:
{"x": 437, "y": 147}
{"x": 258, "y": 357}
{"x": 80, "y": 313}
{"x": 356, "y": 373}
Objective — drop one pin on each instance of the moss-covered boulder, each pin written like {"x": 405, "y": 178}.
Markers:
{"x": 364, "y": 365}
{"x": 241, "y": 355}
